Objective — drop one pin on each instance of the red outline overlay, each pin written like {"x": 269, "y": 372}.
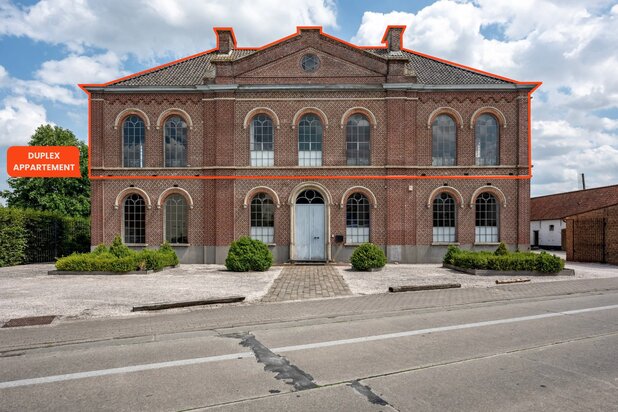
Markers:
{"x": 311, "y": 177}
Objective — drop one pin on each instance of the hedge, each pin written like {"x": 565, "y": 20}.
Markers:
{"x": 523, "y": 261}
{"x": 30, "y": 236}
{"x": 368, "y": 256}
{"x": 119, "y": 258}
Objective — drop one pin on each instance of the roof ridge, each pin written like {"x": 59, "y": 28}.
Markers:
{"x": 575, "y": 191}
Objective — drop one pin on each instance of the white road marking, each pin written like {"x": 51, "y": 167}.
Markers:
{"x": 283, "y": 349}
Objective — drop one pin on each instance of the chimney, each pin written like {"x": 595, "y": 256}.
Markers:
{"x": 393, "y": 38}
{"x": 226, "y": 41}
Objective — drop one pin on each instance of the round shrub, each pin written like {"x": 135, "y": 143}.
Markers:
{"x": 368, "y": 256}
{"x": 247, "y": 254}
{"x": 501, "y": 250}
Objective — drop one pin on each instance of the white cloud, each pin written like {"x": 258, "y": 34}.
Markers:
{"x": 76, "y": 69}
{"x": 19, "y": 118}
{"x": 560, "y": 42}
{"x": 39, "y": 91}
{"x": 160, "y": 27}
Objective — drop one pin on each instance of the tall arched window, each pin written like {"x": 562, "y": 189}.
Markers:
{"x": 444, "y": 141}
{"x": 486, "y": 226}
{"x": 175, "y": 142}
{"x": 357, "y": 140}
{"x": 262, "y": 151}
{"x": 444, "y": 219}
{"x": 357, "y": 219}
{"x": 134, "y": 218}
{"x": 133, "y": 134}
{"x": 263, "y": 218}
{"x": 176, "y": 222}
{"x": 310, "y": 141}
{"x": 487, "y": 140}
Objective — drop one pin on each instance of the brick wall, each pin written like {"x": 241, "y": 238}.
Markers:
{"x": 593, "y": 236}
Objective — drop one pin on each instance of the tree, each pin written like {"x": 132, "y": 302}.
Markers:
{"x": 69, "y": 196}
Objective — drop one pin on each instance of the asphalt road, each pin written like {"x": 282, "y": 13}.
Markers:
{"x": 554, "y": 352}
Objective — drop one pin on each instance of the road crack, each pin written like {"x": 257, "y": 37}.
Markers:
{"x": 285, "y": 371}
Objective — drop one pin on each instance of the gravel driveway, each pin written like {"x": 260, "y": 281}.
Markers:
{"x": 28, "y": 291}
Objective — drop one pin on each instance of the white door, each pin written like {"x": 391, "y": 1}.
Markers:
{"x": 309, "y": 232}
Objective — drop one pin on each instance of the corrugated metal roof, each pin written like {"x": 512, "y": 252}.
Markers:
{"x": 562, "y": 205}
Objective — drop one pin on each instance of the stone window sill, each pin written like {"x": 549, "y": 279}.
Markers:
{"x": 445, "y": 244}
{"x": 179, "y": 244}
{"x": 487, "y": 244}
{"x": 136, "y": 244}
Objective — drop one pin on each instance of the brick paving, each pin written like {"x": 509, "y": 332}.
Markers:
{"x": 307, "y": 282}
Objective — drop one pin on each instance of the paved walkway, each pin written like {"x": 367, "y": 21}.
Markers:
{"x": 307, "y": 282}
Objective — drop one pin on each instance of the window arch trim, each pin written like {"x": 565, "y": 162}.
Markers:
{"x": 261, "y": 189}
{"x": 132, "y": 111}
{"x": 130, "y": 190}
{"x": 358, "y": 189}
{"x": 448, "y": 189}
{"x": 448, "y": 111}
{"x": 261, "y": 110}
{"x": 360, "y": 110}
{"x": 491, "y": 189}
{"x": 307, "y": 110}
{"x": 488, "y": 110}
{"x": 171, "y": 112}
{"x": 174, "y": 190}
{"x": 307, "y": 186}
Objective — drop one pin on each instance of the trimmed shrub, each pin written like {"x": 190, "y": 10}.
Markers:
{"x": 368, "y": 256}
{"x": 119, "y": 249}
{"x": 107, "y": 260}
{"x": 247, "y": 254}
{"x": 502, "y": 250}
{"x": 542, "y": 262}
{"x": 448, "y": 257}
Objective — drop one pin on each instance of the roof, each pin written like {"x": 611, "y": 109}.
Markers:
{"x": 562, "y": 205}
{"x": 192, "y": 71}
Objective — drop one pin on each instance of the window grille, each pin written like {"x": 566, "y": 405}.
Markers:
{"x": 486, "y": 227}
{"x": 310, "y": 197}
{"x": 263, "y": 218}
{"x": 175, "y": 142}
{"x": 133, "y": 134}
{"x": 134, "y": 219}
{"x": 176, "y": 223}
{"x": 357, "y": 219}
{"x": 310, "y": 141}
{"x": 357, "y": 140}
{"x": 487, "y": 138}
{"x": 262, "y": 151}
{"x": 444, "y": 146}
{"x": 444, "y": 219}
{"x": 310, "y": 62}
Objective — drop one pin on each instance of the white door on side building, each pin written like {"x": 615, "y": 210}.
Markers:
{"x": 309, "y": 226}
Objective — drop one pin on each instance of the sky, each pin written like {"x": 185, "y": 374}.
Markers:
{"x": 48, "y": 46}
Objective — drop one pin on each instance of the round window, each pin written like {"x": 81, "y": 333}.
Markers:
{"x": 310, "y": 62}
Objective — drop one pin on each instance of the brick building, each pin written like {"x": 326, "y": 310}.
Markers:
{"x": 313, "y": 145}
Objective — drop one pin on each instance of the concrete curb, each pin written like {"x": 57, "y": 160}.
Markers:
{"x": 414, "y": 288}
{"x": 485, "y": 272}
{"x": 171, "y": 305}
{"x": 107, "y": 273}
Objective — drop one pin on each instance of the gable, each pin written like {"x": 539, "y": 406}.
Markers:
{"x": 290, "y": 66}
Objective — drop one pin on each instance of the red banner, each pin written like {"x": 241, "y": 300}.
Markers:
{"x": 43, "y": 161}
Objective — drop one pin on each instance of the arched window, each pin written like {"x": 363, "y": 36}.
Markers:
{"x": 263, "y": 218}
{"x": 134, "y": 218}
{"x": 133, "y": 133}
{"x": 357, "y": 140}
{"x": 487, "y": 138}
{"x": 175, "y": 142}
{"x": 176, "y": 222}
{"x": 310, "y": 141}
{"x": 444, "y": 141}
{"x": 262, "y": 152}
{"x": 357, "y": 219}
{"x": 486, "y": 230}
{"x": 444, "y": 219}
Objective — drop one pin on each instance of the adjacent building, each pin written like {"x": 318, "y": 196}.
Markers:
{"x": 314, "y": 146}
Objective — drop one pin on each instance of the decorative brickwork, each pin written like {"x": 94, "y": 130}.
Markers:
{"x": 219, "y": 92}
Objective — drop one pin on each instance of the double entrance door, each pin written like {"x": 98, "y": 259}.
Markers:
{"x": 309, "y": 227}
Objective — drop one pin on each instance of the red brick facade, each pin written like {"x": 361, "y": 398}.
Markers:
{"x": 271, "y": 80}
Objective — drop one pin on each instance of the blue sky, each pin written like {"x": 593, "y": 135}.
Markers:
{"x": 49, "y": 46}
